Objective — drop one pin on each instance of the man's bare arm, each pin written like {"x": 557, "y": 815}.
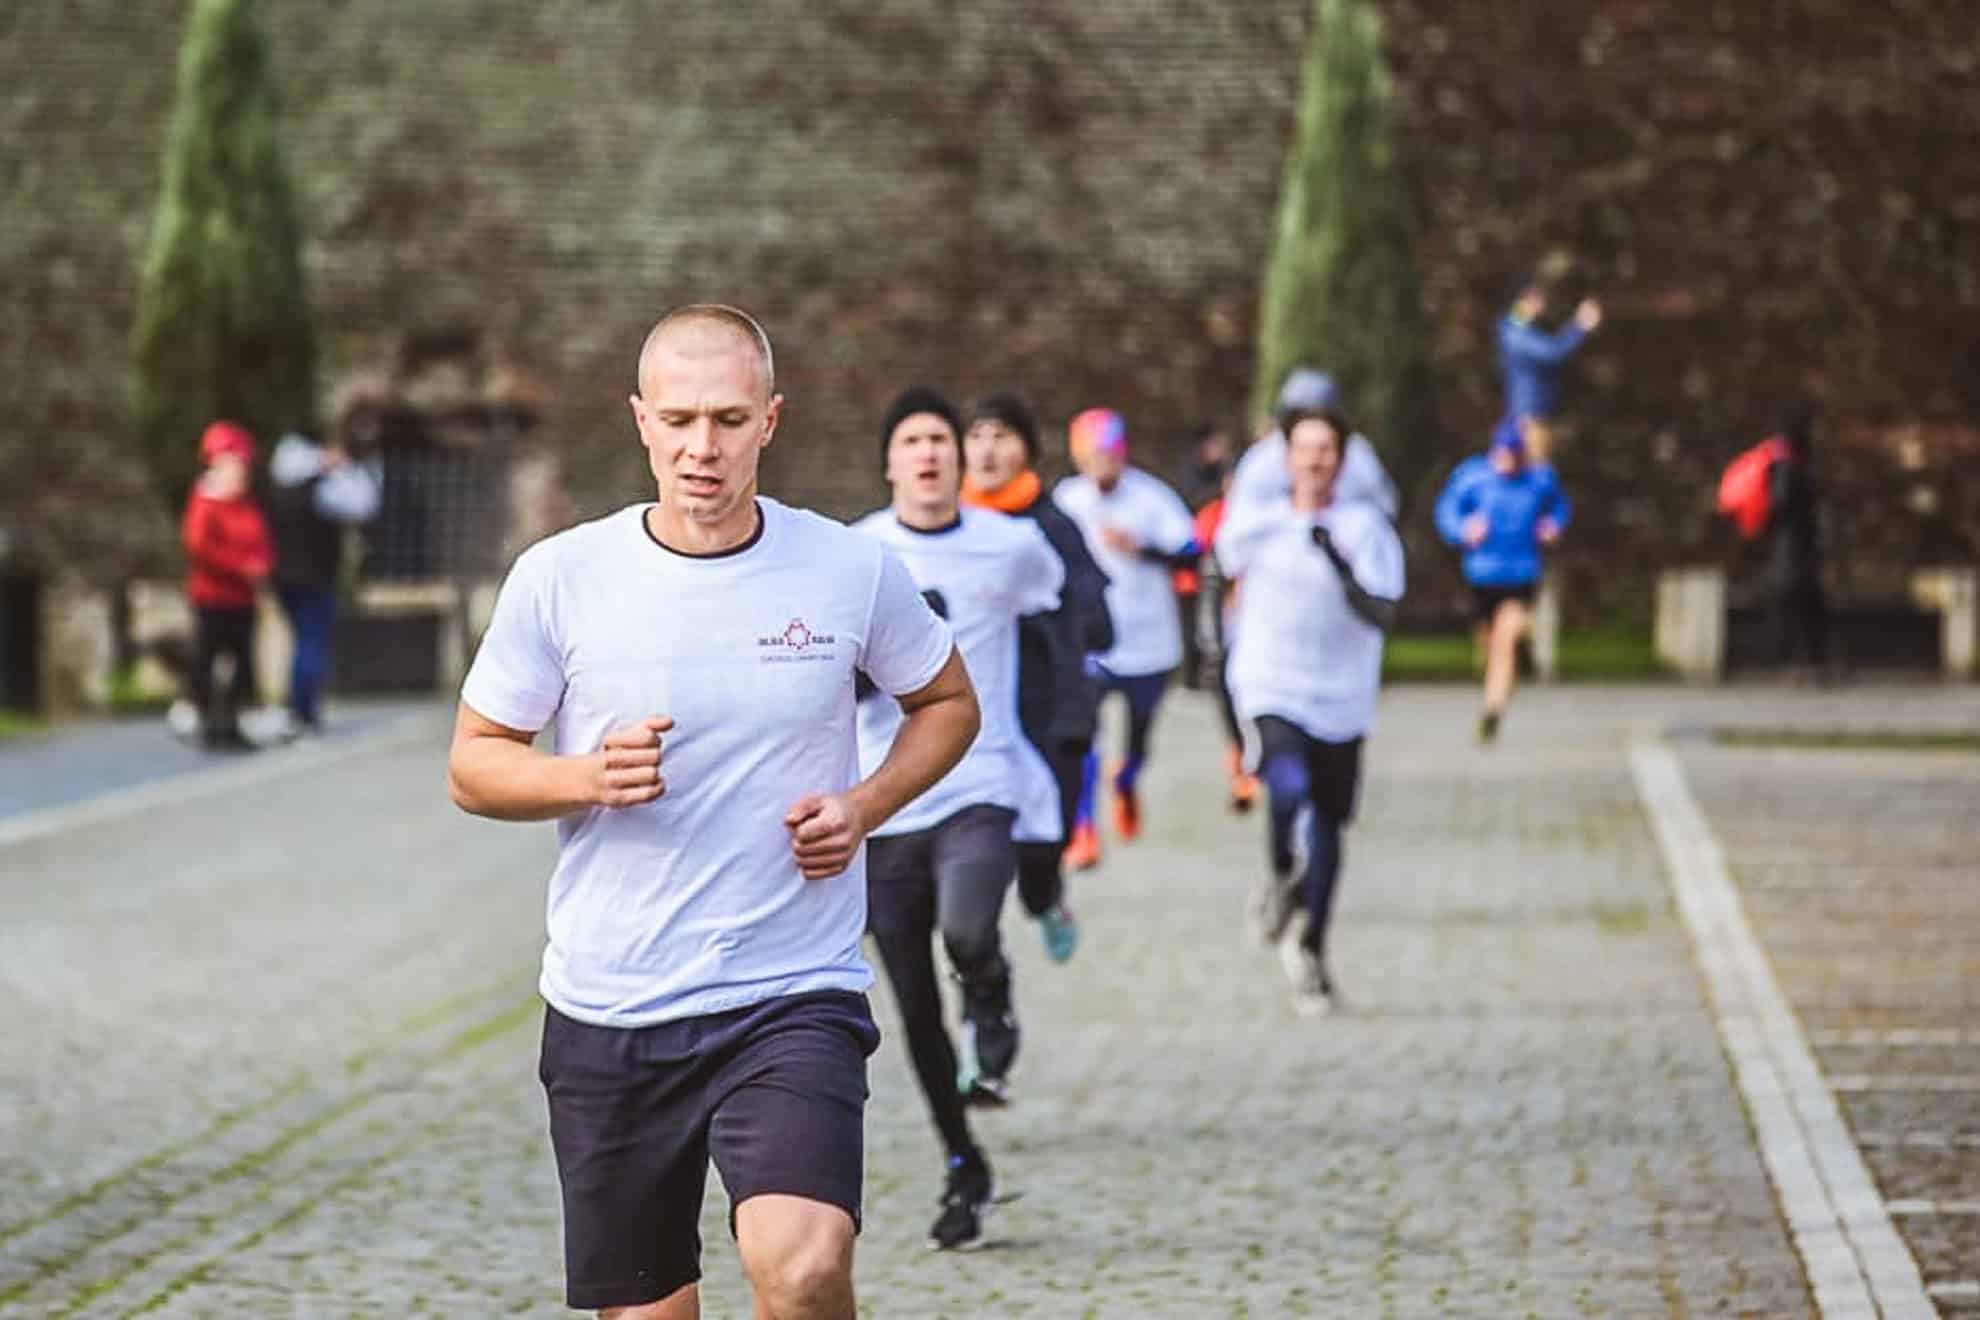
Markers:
{"x": 493, "y": 771}
{"x": 942, "y": 720}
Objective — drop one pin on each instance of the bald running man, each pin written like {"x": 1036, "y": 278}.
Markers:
{"x": 695, "y": 657}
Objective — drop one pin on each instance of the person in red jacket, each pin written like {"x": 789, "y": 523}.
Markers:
{"x": 228, "y": 556}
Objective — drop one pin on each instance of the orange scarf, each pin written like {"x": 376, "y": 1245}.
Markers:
{"x": 1014, "y": 496}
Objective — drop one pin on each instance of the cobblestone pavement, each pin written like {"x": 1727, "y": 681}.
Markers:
{"x": 1861, "y": 872}
{"x": 274, "y": 1053}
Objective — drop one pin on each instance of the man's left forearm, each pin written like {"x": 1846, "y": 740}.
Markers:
{"x": 941, "y": 722}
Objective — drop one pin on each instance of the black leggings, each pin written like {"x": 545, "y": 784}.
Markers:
{"x": 1040, "y": 872}
{"x": 1302, "y": 771}
{"x": 1226, "y": 707}
{"x": 950, "y": 877}
{"x": 1801, "y": 623}
{"x": 228, "y": 632}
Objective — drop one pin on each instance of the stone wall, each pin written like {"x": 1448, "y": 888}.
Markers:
{"x": 1076, "y": 200}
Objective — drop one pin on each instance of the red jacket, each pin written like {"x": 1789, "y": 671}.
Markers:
{"x": 228, "y": 551}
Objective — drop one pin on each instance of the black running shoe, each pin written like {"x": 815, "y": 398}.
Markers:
{"x": 990, "y": 1041}
{"x": 965, "y": 1200}
{"x": 1488, "y": 727}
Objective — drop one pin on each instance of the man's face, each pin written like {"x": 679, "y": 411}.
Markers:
{"x": 1532, "y": 305}
{"x": 1313, "y": 456}
{"x": 705, "y": 418}
{"x": 924, "y": 463}
{"x": 994, "y": 454}
{"x": 1106, "y": 466}
{"x": 1213, "y": 448}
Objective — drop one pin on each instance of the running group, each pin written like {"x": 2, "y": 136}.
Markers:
{"x": 775, "y": 735}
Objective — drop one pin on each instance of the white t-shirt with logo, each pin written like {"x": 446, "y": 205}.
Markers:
{"x": 1301, "y": 652}
{"x": 989, "y": 569}
{"x": 1141, "y": 593}
{"x": 693, "y": 903}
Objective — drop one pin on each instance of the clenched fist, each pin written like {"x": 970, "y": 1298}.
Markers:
{"x": 826, "y": 830}
{"x": 625, "y": 770}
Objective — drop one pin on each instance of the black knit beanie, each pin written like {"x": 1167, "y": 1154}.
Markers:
{"x": 917, "y": 399}
{"x": 1008, "y": 410}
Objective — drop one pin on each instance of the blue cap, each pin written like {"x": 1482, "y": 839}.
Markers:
{"x": 1510, "y": 436}
{"x": 1308, "y": 389}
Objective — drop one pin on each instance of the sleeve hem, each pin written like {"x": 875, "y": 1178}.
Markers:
{"x": 508, "y": 713}
{"x": 948, "y": 649}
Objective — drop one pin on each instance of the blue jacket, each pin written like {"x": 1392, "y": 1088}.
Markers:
{"x": 1513, "y": 506}
{"x": 1531, "y": 360}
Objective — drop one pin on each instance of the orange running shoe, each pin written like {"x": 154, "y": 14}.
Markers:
{"x": 1127, "y": 813}
{"x": 1083, "y": 853}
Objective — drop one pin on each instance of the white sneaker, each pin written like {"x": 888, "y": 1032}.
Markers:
{"x": 182, "y": 718}
{"x": 1271, "y": 907}
{"x": 269, "y": 726}
{"x": 1313, "y": 992}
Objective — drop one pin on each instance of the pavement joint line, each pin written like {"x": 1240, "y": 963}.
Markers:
{"x": 1942, "y": 1083}
{"x": 174, "y": 790}
{"x": 1920, "y": 1140}
{"x": 1921, "y": 1206}
{"x": 1891, "y": 1036}
{"x": 1856, "y": 1262}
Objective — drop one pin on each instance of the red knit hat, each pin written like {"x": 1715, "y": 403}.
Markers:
{"x": 226, "y": 438}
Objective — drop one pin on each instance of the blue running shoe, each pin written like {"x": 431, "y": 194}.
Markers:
{"x": 1059, "y": 928}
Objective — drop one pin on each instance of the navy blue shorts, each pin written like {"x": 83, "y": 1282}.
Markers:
{"x": 775, "y": 1093}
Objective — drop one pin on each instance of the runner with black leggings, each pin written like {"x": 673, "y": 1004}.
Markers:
{"x": 1321, "y": 582}
{"x": 945, "y": 861}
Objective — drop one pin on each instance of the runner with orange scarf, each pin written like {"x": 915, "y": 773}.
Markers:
{"x": 1057, "y": 699}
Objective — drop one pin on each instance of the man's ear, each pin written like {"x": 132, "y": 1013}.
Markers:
{"x": 772, "y": 415}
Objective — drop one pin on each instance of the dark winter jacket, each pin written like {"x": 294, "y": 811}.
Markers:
{"x": 1057, "y": 699}
{"x": 1793, "y": 524}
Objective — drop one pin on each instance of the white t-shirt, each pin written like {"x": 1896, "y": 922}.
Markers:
{"x": 989, "y": 569}
{"x": 693, "y": 903}
{"x": 1262, "y": 479}
{"x": 1141, "y": 593}
{"x": 1301, "y": 652}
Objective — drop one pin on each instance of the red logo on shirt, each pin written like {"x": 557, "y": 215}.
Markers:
{"x": 793, "y": 642}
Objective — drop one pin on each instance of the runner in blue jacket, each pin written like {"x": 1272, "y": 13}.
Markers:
{"x": 1502, "y": 509}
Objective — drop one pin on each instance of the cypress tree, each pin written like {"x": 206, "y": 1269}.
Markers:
{"x": 223, "y": 323}
{"x": 1341, "y": 288}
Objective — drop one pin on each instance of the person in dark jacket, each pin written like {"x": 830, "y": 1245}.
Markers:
{"x": 319, "y": 491}
{"x": 1058, "y": 698}
{"x": 1503, "y": 509}
{"x": 1794, "y": 533}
